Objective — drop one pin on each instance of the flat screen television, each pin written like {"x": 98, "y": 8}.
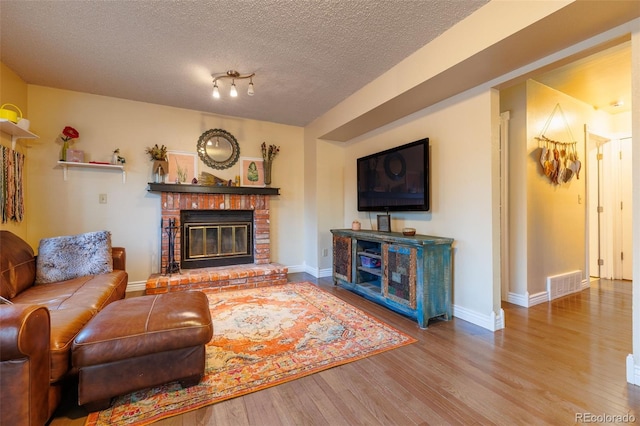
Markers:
{"x": 396, "y": 179}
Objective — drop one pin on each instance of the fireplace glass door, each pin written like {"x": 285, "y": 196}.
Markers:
{"x": 218, "y": 240}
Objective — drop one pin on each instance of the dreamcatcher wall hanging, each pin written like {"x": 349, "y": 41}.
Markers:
{"x": 559, "y": 160}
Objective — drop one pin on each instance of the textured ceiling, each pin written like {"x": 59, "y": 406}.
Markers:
{"x": 307, "y": 55}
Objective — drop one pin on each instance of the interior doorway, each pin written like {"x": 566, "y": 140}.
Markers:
{"x": 610, "y": 207}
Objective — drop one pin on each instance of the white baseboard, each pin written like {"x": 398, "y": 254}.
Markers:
{"x": 491, "y": 322}
{"x": 633, "y": 371}
{"x": 527, "y": 300}
{"x": 518, "y": 299}
{"x": 317, "y": 273}
{"x": 295, "y": 268}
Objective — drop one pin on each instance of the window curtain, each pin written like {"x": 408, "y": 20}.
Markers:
{"x": 11, "y": 187}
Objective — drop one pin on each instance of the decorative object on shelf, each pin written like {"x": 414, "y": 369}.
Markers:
{"x": 251, "y": 171}
{"x": 158, "y": 154}
{"x": 233, "y": 75}
{"x": 183, "y": 166}
{"x": 116, "y": 159}
{"x": 24, "y": 124}
{"x": 75, "y": 156}
{"x": 409, "y": 232}
{"x": 384, "y": 223}
{"x": 355, "y": 225}
{"x": 218, "y": 149}
{"x": 559, "y": 160}
{"x": 67, "y": 137}
{"x": 211, "y": 180}
{"x": 10, "y": 115}
{"x": 268, "y": 154}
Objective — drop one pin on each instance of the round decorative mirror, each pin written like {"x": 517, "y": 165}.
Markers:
{"x": 218, "y": 149}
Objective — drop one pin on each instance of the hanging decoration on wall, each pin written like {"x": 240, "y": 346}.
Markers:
{"x": 11, "y": 189}
{"x": 559, "y": 160}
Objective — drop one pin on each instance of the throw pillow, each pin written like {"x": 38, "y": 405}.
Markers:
{"x": 68, "y": 257}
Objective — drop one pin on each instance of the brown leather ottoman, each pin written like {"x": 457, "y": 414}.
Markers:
{"x": 142, "y": 342}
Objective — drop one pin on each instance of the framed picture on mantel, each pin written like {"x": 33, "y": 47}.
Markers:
{"x": 384, "y": 223}
{"x": 183, "y": 166}
{"x": 251, "y": 171}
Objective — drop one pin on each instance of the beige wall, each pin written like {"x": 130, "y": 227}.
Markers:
{"x": 58, "y": 207}
{"x": 547, "y": 221}
{"x": 464, "y": 139}
{"x": 460, "y": 137}
{"x": 13, "y": 90}
{"x": 514, "y": 101}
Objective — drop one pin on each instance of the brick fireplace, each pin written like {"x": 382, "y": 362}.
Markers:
{"x": 176, "y": 198}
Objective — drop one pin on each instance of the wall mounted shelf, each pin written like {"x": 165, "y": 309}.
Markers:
{"x": 211, "y": 189}
{"x": 66, "y": 164}
{"x": 16, "y": 132}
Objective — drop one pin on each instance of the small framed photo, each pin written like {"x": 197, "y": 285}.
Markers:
{"x": 384, "y": 223}
{"x": 251, "y": 171}
{"x": 183, "y": 166}
{"x": 75, "y": 156}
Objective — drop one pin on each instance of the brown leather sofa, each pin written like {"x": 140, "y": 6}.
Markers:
{"x": 38, "y": 329}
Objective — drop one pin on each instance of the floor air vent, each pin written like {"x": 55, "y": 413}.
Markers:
{"x": 563, "y": 284}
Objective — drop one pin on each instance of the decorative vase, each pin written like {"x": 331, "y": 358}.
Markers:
{"x": 267, "y": 172}
{"x": 63, "y": 151}
{"x": 160, "y": 170}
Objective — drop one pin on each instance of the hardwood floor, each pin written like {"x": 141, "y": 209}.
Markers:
{"x": 552, "y": 363}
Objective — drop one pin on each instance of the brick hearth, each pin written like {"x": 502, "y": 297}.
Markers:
{"x": 261, "y": 273}
{"x": 220, "y": 278}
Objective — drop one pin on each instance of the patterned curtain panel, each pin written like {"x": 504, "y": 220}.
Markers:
{"x": 11, "y": 188}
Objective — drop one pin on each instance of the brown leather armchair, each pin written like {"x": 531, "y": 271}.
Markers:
{"x": 37, "y": 330}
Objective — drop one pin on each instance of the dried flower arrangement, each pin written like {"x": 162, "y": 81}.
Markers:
{"x": 157, "y": 152}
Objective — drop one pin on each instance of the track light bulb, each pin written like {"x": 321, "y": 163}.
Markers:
{"x": 216, "y": 92}
{"x": 233, "y": 92}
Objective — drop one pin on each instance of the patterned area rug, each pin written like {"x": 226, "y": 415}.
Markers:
{"x": 262, "y": 337}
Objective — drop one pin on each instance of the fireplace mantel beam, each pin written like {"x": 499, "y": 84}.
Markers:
{"x": 211, "y": 189}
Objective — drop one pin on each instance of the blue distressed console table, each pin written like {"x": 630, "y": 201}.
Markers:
{"x": 408, "y": 274}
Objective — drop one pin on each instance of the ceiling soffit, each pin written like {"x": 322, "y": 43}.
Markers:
{"x": 545, "y": 37}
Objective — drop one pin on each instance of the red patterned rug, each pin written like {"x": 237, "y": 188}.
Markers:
{"x": 262, "y": 337}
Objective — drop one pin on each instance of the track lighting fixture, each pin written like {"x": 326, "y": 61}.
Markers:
{"x": 233, "y": 75}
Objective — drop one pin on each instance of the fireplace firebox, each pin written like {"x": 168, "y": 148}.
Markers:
{"x": 216, "y": 238}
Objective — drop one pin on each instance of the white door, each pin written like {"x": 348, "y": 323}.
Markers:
{"x": 610, "y": 208}
{"x": 624, "y": 267}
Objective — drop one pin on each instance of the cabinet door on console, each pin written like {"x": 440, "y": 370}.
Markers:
{"x": 399, "y": 278}
{"x": 342, "y": 258}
